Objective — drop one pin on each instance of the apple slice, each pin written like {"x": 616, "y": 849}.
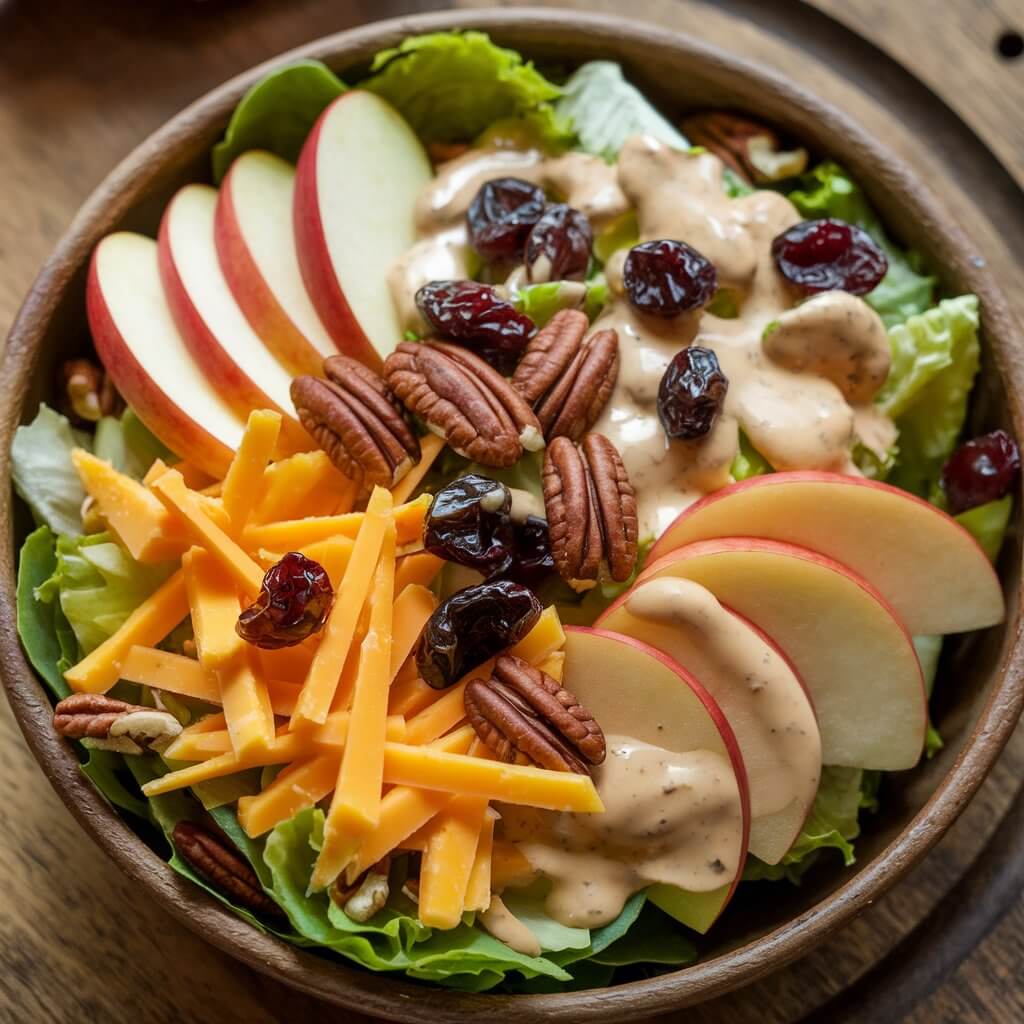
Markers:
{"x": 359, "y": 174}
{"x": 638, "y": 693}
{"x": 139, "y": 344}
{"x": 231, "y": 354}
{"x": 753, "y": 683}
{"x": 927, "y": 566}
{"x": 845, "y": 642}
{"x": 255, "y": 241}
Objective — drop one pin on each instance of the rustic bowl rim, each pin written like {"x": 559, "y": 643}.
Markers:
{"x": 394, "y": 997}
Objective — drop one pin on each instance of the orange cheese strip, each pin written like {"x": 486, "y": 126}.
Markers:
{"x": 509, "y": 866}
{"x": 293, "y": 534}
{"x": 413, "y": 606}
{"x": 289, "y": 663}
{"x": 214, "y": 605}
{"x": 404, "y": 810}
{"x": 301, "y": 785}
{"x": 333, "y": 554}
{"x": 428, "y": 768}
{"x": 148, "y": 624}
{"x": 478, "y": 888}
{"x": 410, "y": 696}
{"x": 320, "y": 685}
{"x": 355, "y": 808}
{"x": 554, "y": 665}
{"x": 430, "y": 447}
{"x": 306, "y": 484}
{"x": 195, "y": 479}
{"x": 177, "y": 498}
{"x": 244, "y": 478}
{"x": 246, "y": 703}
{"x": 283, "y": 749}
{"x": 439, "y": 717}
{"x": 161, "y": 670}
{"x": 420, "y": 568}
{"x": 448, "y": 861}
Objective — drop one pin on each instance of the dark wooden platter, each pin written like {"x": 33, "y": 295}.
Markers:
{"x": 83, "y": 83}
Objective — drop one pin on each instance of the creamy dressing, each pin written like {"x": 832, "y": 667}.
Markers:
{"x": 669, "y": 817}
{"x": 506, "y": 927}
{"x": 762, "y": 699}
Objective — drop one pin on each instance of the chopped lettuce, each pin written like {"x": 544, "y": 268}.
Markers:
{"x": 452, "y": 86}
{"x": 605, "y": 110}
{"x": 748, "y": 461}
{"x": 987, "y": 524}
{"x": 277, "y": 113}
{"x": 128, "y": 445}
{"x": 828, "y": 191}
{"x": 465, "y": 957}
{"x": 43, "y": 473}
{"x": 98, "y": 586}
{"x": 621, "y": 233}
{"x": 540, "y": 302}
{"x": 655, "y": 939}
{"x": 527, "y": 904}
{"x": 935, "y": 359}
{"x": 832, "y": 823}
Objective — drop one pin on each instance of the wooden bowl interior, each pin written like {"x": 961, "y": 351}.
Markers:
{"x": 681, "y": 76}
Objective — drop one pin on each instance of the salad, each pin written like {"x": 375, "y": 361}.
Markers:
{"x": 501, "y": 523}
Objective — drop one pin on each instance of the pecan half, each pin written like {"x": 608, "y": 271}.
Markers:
{"x": 88, "y": 393}
{"x": 591, "y": 510}
{"x": 751, "y": 149}
{"x": 113, "y": 724}
{"x": 361, "y": 899}
{"x": 465, "y": 400}
{"x": 568, "y": 382}
{"x": 355, "y": 419}
{"x": 521, "y": 709}
{"x": 210, "y": 858}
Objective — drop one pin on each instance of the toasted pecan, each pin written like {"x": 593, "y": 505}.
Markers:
{"x": 114, "y": 724}
{"x": 549, "y": 354}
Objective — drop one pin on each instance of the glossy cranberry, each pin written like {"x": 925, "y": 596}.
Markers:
{"x": 666, "y": 278}
{"x": 501, "y": 215}
{"x": 531, "y": 558}
{"x": 473, "y": 625}
{"x": 829, "y": 255}
{"x": 293, "y": 604}
{"x": 474, "y": 315}
{"x": 691, "y": 393}
{"x": 982, "y": 470}
{"x": 558, "y": 247}
{"x": 468, "y": 522}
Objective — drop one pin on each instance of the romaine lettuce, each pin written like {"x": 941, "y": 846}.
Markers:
{"x": 98, "y": 586}
{"x": 828, "y": 191}
{"x": 277, "y": 113}
{"x": 987, "y": 524}
{"x": 452, "y": 86}
{"x": 748, "y": 461}
{"x": 540, "y": 302}
{"x": 605, "y": 110}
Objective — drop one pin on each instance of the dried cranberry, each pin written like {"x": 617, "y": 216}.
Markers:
{"x": 473, "y": 625}
{"x": 474, "y": 315}
{"x": 469, "y": 523}
{"x": 293, "y": 604}
{"x": 691, "y": 393}
{"x": 666, "y": 278}
{"x": 501, "y": 215}
{"x": 829, "y": 255}
{"x": 558, "y": 247}
{"x": 531, "y": 553}
{"x": 980, "y": 471}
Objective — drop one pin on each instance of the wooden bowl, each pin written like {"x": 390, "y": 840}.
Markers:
{"x": 980, "y": 687}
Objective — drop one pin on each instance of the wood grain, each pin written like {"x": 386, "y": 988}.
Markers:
{"x": 114, "y": 71}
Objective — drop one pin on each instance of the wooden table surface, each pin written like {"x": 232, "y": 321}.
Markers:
{"x": 80, "y": 84}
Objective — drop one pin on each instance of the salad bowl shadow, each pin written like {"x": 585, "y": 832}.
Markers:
{"x": 977, "y": 715}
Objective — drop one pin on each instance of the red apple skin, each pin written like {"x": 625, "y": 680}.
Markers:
{"x": 254, "y": 296}
{"x": 180, "y": 432}
{"x": 664, "y": 543}
{"x": 724, "y": 729}
{"x": 315, "y": 261}
{"x": 230, "y": 379}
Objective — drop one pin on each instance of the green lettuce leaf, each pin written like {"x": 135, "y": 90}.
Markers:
{"x": 527, "y": 904}
{"x": 655, "y": 939}
{"x": 832, "y": 824}
{"x": 930, "y": 404}
{"x": 452, "y": 86}
{"x": 464, "y": 957}
{"x": 277, "y": 113}
{"x": 540, "y": 302}
{"x": 98, "y": 585}
{"x": 987, "y": 524}
{"x": 128, "y": 445}
{"x": 605, "y": 110}
{"x": 828, "y": 191}
{"x": 748, "y": 461}
{"x": 43, "y": 473}
{"x": 109, "y": 773}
